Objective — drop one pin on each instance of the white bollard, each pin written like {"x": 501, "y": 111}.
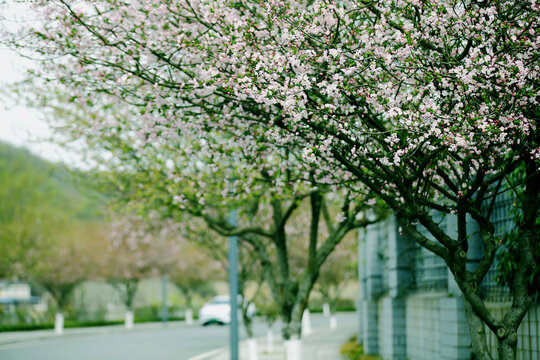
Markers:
{"x": 306, "y": 323}
{"x": 270, "y": 341}
{"x": 189, "y": 316}
{"x": 129, "y": 320}
{"x": 252, "y": 349}
{"x": 333, "y": 322}
{"x": 59, "y": 323}
{"x": 326, "y": 309}
{"x": 293, "y": 349}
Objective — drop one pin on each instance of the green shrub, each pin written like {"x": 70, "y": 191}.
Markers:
{"x": 316, "y": 305}
{"x": 355, "y": 351}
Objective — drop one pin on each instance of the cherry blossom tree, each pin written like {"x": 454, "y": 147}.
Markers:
{"x": 193, "y": 272}
{"x": 337, "y": 272}
{"x": 271, "y": 217}
{"x": 136, "y": 249}
{"x": 67, "y": 260}
{"x": 205, "y": 178}
{"x": 431, "y": 105}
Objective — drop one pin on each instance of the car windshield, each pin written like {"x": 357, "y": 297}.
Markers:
{"x": 219, "y": 301}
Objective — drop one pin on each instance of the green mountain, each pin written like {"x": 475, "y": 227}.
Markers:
{"x": 37, "y": 198}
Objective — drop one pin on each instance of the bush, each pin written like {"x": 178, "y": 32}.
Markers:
{"x": 316, "y": 304}
{"x": 354, "y": 351}
{"x": 49, "y": 325}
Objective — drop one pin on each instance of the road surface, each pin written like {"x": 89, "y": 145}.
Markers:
{"x": 174, "y": 341}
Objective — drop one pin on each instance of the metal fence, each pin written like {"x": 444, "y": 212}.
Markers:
{"x": 503, "y": 220}
{"x": 429, "y": 270}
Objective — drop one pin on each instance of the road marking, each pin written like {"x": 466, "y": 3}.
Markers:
{"x": 208, "y": 354}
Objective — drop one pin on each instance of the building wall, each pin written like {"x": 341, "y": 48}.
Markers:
{"x": 422, "y": 323}
{"x": 528, "y": 332}
{"x": 409, "y": 313}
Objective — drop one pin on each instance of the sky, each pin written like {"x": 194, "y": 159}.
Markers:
{"x": 22, "y": 126}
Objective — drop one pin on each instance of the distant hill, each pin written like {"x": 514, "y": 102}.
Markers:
{"x": 55, "y": 183}
{"x": 38, "y": 197}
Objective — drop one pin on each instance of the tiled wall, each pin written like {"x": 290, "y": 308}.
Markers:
{"x": 422, "y": 323}
{"x": 528, "y": 332}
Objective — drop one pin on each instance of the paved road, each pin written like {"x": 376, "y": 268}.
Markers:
{"x": 175, "y": 341}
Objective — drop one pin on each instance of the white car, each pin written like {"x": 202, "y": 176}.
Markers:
{"x": 218, "y": 310}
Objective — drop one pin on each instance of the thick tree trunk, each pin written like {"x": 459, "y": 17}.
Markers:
{"x": 292, "y": 328}
{"x": 248, "y": 321}
{"x": 479, "y": 349}
{"x": 507, "y": 333}
{"x": 508, "y": 348}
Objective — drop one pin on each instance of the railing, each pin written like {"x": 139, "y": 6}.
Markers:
{"x": 429, "y": 270}
{"x": 503, "y": 220}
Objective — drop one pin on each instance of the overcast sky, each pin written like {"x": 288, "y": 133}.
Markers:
{"x": 22, "y": 126}
{"x": 19, "y": 125}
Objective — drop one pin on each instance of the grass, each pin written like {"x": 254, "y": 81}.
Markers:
{"x": 352, "y": 350}
{"x": 76, "y": 324}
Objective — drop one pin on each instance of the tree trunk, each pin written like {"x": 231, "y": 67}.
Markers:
{"x": 248, "y": 321}
{"x": 508, "y": 347}
{"x": 292, "y": 328}
{"x": 188, "y": 314}
{"x": 477, "y": 329}
{"x": 528, "y": 229}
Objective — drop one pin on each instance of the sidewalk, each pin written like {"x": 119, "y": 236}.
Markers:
{"x": 322, "y": 344}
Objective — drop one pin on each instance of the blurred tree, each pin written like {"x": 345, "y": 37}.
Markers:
{"x": 339, "y": 270}
{"x": 193, "y": 273}
{"x": 137, "y": 248}
{"x": 68, "y": 259}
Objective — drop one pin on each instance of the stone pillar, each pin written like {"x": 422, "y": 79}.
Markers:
{"x": 370, "y": 328}
{"x": 394, "y": 329}
{"x": 455, "y": 340}
{"x": 399, "y": 281}
{"x": 399, "y": 260}
{"x": 362, "y": 284}
{"x": 370, "y": 288}
{"x": 374, "y": 266}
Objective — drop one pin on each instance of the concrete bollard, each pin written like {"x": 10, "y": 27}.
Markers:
{"x": 189, "y": 316}
{"x": 293, "y": 349}
{"x": 59, "y": 323}
{"x": 129, "y": 320}
{"x": 306, "y": 323}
